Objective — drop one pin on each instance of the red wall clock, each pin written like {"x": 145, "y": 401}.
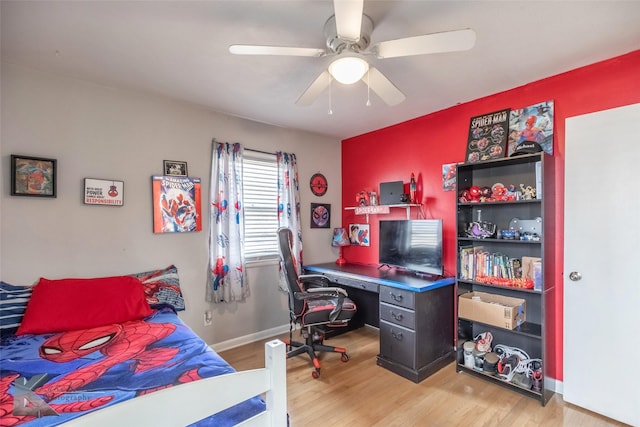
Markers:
{"x": 318, "y": 184}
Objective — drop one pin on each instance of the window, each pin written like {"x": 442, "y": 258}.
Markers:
{"x": 260, "y": 183}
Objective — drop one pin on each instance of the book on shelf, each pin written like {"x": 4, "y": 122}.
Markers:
{"x": 538, "y": 180}
{"x": 528, "y": 266}
{"x": 478, "y": 264}
{"x": 537, "y": 276}
{"x": 469, "y": 261}
{"x": 516, "y": 267}
{"x": 532, "y": 269}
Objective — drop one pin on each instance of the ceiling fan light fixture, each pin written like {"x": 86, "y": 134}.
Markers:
{"x": 348, "y": 69}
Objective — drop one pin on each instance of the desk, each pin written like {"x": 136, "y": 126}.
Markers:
{"x": 414, "y": 315}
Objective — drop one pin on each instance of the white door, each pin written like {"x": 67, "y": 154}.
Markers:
{"x": 601, "y": 263}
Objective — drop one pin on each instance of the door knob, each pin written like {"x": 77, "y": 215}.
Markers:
{"x": 575, "y": 276}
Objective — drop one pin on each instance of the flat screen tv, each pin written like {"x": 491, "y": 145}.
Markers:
{"x": 414, "y": 244}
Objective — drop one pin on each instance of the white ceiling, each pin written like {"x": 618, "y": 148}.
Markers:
{"x": 180, "y": 49}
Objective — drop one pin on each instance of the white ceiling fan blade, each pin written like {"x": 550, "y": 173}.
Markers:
{"x": 348, "y": 18}
{"x": 315, "y": 89}
{"x": 448, "y": 41}
{"x": 383, "y": 87}
{"x": 246, "y": 49}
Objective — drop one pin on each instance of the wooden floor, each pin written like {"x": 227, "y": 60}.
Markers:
{"x": 360, "y": 393}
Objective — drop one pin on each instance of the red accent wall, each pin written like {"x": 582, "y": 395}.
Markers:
{"x": 424, "y": 144}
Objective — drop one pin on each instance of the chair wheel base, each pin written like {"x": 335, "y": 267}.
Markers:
{"x": 311, "y": 346}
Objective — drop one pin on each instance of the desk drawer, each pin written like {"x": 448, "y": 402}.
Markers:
{"x": 397, "y": 296}
{"x": 353, "y": 283}
{"x": 398, "y": 315}
{"x": 397, "y": 344}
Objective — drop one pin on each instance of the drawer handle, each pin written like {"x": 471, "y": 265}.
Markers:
{"x": 396, "y": 297}
{"x": 397, "y": 316}
{"x": 397, "y": 336}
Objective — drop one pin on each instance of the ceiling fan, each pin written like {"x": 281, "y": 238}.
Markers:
{"x": 348, "y": 37}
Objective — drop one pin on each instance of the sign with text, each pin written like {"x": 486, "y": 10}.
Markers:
{"x": 103, "y": 192}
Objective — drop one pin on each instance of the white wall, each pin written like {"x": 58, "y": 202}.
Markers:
{"x": 101, "y": 132}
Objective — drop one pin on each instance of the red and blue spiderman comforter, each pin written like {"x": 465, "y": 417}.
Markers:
{"x": 63, "y": 376}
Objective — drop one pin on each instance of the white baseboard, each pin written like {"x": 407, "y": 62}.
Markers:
{"x": 236, "y": 342}
{"x": 555, "y": 385}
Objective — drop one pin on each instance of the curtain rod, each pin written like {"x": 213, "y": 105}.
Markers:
{"x": 260, "y": 151}
{"x": 254, "y": 150}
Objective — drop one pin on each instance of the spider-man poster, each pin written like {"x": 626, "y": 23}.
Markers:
{"x": 487, "y": 136}
{"x": 532, "y": 124}
{"x": 176, "y": 204}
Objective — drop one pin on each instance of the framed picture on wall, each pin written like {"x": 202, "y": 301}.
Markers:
{"x": 530, "y": 127}
{"x": 359, "y": 234}
{"x": 488, "y": 136}
{"x": 33, "y": 176}
{"x": 175, "y": 168}
{"x": 320, "y": 215}
{"x": 106, "y": 192}
{"x": 176, "y": 204}
{"x": 449, "y": 176}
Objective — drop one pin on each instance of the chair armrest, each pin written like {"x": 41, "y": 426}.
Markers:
{"x": 319, "y": 293}
{"x": 335, "y": 292}
{"x": 315, "y": 280}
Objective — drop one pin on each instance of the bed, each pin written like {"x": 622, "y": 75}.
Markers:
{"x": 96, "y": 352}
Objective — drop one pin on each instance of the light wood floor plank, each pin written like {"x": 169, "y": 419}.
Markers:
{"x": 360, "y": 393}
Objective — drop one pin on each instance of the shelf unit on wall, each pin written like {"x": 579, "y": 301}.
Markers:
{"x": 381, "y": 209}
{"x": 529, "y": 336}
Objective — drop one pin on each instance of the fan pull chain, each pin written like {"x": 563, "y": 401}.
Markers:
{"x": 330, "y": 112}
{"x": 368, "y": 104}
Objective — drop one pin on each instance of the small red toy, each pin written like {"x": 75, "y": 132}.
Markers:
{"x": 362, "y": 198}
{"x": 474, "y": 193}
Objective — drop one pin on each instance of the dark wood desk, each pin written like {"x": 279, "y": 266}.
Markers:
{"x": 414, "y": 315}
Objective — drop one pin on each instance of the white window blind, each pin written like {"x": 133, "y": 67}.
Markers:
{"x": 260, "y": 186}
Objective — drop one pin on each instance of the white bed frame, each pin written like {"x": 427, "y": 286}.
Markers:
{"x": 187, "y": 403}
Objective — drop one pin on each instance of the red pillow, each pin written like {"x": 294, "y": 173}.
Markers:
{"x": 71, "y": 304}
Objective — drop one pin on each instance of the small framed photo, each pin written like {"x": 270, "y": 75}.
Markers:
{"x": 175, "y": 168}
{"x": 320, "y": 215}
{"x": 33, "y": 176}
{"x": 359, "y": 234}
{"x": 449, "y": 172}
{"x": 106, "y": 192}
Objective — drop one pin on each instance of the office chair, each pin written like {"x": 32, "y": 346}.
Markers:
{"x": 312, "y": 304}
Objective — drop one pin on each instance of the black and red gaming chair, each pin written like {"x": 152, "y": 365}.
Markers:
{"x": 312, "y": 303}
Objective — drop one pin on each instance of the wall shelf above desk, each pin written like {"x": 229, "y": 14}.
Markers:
{"x": 381, "y": 209}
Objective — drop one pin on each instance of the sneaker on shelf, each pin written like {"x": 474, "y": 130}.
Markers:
{"x": 483, "y": 342}
{"x": 506, "y": 351}
{"x": 507, "y": 367}
{"x": 529, "y": 366}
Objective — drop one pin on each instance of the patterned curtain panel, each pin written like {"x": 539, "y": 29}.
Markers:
{"x": 289, "y": 206}
{"x": 226, "y": 281}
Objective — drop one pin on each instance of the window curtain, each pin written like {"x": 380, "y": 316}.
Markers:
{"x": 289, "y": 207}
{"x": 225, "y": 281}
